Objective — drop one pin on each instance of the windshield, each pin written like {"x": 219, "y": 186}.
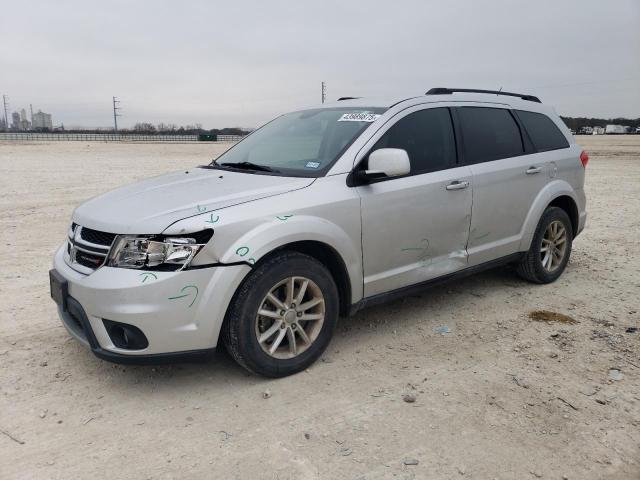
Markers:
{"x": 304, "y": 143}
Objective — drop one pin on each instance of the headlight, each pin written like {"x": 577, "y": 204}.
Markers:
{"x": 156, "y": 252}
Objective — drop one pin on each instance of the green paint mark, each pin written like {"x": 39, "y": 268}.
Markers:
{"x": 252, "y": 261}
{"x": 146, "y": 275}
{"x": 244, "y": 251}
{"x": 201, "y": 209}
{"x": 183, "y": 290}
{"x": 284, "y": 217}
{"x": 424, "y": 259}
{"x": 212, "y": 220}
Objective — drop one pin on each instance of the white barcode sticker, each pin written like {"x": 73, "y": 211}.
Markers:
{"x": 359, "y": 117}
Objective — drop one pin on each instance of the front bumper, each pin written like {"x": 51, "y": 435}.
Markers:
{"x": 180, "y": 313}
{"x": 77, "y": 324}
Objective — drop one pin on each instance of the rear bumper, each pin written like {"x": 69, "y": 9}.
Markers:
{"x": 582, "y": 221}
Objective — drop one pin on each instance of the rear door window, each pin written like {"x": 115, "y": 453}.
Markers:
{"x": 489, "y": 134}
{"x": 544, "y": 134}
{"x": 427, "y": 136}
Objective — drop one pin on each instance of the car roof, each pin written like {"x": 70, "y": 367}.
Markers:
{"x": 388, "y": 102}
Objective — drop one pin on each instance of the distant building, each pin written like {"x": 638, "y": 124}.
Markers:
{"x": 15, "y": 121}
{"x": 42, "y": 120}
{"x": 25, "y": 124}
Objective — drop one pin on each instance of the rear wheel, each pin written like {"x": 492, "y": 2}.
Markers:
{"x": 550, "y": 248}
{"x": 283, "y": 315}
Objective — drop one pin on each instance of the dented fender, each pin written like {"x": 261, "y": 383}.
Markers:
{"x": 244, "y": 234}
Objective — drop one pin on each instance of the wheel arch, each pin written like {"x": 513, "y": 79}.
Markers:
{"x": 330, "y": 258}
{"x": 325, "y": 241}
{"x": 557, "y": 194}
{"x": 568, "y": 204}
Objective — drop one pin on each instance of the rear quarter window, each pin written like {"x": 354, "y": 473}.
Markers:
{"x": 489, "y": 134}
{"x": 543, "y": 132}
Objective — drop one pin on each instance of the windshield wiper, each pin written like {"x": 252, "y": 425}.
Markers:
{"x": 247, "y": 166}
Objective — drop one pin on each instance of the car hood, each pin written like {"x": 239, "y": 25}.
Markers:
{"x": 150, "y": 206}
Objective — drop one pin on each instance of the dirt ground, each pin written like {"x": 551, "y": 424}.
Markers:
{"x": 500, "y": 396}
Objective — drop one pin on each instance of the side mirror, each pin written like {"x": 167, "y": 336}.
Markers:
{"x": 388, "y": 162}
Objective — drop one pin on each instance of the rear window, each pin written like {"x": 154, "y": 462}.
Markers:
{"x": 489, "y": 134}
{"x": 544, "y": 134}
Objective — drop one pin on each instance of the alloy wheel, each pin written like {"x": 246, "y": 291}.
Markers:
{"x": 290, "y": 317}
{"x": 554, "y": 246}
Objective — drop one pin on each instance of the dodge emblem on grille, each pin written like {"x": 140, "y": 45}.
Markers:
{"x": 84, "y": 253}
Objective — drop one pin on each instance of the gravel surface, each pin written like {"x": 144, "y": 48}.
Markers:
{"x": 500, "y": 393}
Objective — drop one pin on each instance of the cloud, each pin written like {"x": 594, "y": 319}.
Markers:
{"x": 241, "y": 64}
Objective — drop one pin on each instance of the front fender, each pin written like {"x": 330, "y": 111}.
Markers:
{"x": 272, "y": 233}
{"x": 326, "y": 212}
{"x": 550, "y": 192}
{"x": 279, "y": 231}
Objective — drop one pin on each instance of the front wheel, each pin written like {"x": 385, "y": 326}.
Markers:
{"x": 550, "y": 248}
{"x": 283, "y": 316}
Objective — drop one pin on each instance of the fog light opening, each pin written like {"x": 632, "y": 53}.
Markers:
{"x": 124, "y": 336}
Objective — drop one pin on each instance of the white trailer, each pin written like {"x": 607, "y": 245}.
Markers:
{"x": 614, "y": 129}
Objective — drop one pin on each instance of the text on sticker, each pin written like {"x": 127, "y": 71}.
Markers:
{"x": 359, "y": 117}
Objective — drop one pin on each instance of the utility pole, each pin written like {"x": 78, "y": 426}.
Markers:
{"x": 115, "y": 113}
{"x": 324, "y": 91}
{"x": 6, "y": 117}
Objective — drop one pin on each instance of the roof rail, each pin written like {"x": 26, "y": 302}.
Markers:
{"x": 347, "y": 98}
{"x": 447, "y": 91}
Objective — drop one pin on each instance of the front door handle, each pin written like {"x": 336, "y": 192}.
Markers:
{"x": 457, "y": 185}
{"x": 532, "y": 170}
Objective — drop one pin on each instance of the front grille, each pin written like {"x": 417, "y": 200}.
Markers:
{"x": 87, "y": 249}
{"x": 89, "y": 260}
{"x": 99, "y": 238}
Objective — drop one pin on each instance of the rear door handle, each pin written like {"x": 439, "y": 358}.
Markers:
{"x": 532, "y": 170}
{"x": 457, "y": 185}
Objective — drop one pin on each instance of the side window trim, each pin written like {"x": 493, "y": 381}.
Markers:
{"x": 459, "y": 136}
{"x": 456, "y": 147}
{"x": 524, "y": 138}
{"x": 530, "y": 148}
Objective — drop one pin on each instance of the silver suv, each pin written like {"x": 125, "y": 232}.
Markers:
{"x": 317, "y": 214}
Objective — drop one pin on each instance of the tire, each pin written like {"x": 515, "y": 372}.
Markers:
{"x": 533, "y": 267}
{"x": 243, "y": 326}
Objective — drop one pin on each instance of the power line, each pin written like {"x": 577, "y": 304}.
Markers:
{"x": 116, "y": 114}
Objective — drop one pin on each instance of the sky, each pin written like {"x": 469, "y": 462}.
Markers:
{"x": 242, "y": 63}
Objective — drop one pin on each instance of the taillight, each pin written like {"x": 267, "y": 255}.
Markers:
{"x": 584, "y": 158}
